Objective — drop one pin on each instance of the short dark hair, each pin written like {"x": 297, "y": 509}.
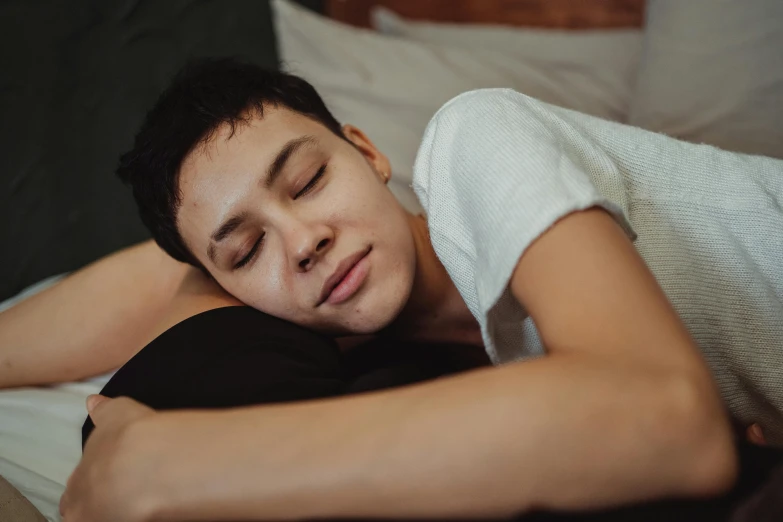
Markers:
{"x": 202, "y": 97}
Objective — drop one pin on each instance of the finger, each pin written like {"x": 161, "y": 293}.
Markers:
{"x": 121, "y": 409}
{"x": 95, "y": 400}
{"x": 64, "y": 502}
{"x": 95, "y": 405}
{"x": 756, "y": 435}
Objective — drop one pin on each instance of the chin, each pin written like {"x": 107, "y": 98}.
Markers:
{"x": 373, "y": 315}
{"x": 366, "y": 325}
{"x": 388, "y": 310}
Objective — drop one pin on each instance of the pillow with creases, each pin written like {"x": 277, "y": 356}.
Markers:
{"x": 391, "y": 87}
{"x": 712, "y": 72}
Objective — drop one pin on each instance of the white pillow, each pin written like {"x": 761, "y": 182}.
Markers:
{"x": 611, "y": 54}
{"x": 712, "y": 72}
{"x": 391, "y": 87}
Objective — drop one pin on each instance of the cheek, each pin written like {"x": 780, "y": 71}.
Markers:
{"x": 364, "y": 204}
{"x": 263, "y": 289}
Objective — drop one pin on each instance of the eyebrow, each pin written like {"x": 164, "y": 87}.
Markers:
{"x": 225, "y": 230}
{"x": 274, "y": 171}
{"x": 288, "y": 150}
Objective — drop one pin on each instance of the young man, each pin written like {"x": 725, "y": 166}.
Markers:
{"x": 244, "y": 174}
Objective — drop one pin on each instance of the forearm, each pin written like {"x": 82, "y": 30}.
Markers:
{"x": 90, "y": 322}
{"x": 559, "y": 432}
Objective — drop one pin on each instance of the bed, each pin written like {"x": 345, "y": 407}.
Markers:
{"x": 384, "y": 65}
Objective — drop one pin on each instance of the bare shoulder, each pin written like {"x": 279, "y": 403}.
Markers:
{"x": 197, "y": 293}
{"x": 200, "y": 292}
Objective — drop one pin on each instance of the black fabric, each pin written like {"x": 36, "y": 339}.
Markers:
{"x": 384, "y": 363}
{"x": 77, "y": 78}
{"x": 231, "y": 356}
{"x": 238, "y": 356}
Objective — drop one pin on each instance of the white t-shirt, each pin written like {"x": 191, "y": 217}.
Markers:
{"x": 497, "y": 168}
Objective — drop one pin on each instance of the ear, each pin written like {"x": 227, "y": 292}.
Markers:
{"x": 374, "y": 157}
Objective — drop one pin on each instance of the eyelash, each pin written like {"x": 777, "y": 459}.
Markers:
{"x": 313, "y": 182}
{"x": 245, "y": 260}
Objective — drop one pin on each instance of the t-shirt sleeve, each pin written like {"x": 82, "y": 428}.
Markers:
{"x": 495, "y": 170}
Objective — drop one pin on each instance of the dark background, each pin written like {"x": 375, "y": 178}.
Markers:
{"x": 76, "y": 78}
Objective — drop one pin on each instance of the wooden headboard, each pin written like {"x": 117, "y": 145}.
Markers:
{"x": 554, "y": 14}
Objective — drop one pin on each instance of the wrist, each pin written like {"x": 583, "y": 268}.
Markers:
{"x": 201, "y": 466}
{"x": 162, "y": 441}
{"x": 238, "y": 464}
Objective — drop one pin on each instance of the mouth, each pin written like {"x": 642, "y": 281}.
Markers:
{"x": 346, "y": 279}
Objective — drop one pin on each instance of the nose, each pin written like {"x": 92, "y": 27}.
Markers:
{"x": 309, "y": 245}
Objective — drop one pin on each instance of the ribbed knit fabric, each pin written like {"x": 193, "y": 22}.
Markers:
{"x": 497, "y": 168}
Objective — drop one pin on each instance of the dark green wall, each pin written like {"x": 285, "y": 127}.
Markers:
{"x": 76, "y": 80}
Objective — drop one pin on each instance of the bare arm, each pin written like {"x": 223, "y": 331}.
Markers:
{"x": 622, "y": 409}
{"x": 97, "y": 318}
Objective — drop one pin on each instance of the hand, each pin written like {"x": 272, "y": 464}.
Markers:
{"x": 108, "y": 483}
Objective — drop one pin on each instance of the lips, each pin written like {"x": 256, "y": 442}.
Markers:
{"x": 343, "y": 268}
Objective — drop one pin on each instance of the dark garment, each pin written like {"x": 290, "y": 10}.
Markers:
{"x": 227, "y": 357}
{"x": 238, "y": 356}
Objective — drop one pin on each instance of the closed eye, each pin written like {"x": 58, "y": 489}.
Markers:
{"x": 313, "y": 182}
{"x": 250, "y": 255}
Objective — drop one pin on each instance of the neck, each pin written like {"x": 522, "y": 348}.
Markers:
{"x": 435, "y": 311}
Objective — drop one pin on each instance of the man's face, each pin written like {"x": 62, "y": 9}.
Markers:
{"x": 281, "y": 209}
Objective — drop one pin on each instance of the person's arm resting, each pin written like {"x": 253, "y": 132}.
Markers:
{"x": 96, "y": 319}
{"x": 622, "y": 409}
{"x": 632, "y": 396}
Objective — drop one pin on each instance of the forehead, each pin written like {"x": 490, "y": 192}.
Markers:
{"x": 216, "y": 174}
{"x": 251, "y": 142}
